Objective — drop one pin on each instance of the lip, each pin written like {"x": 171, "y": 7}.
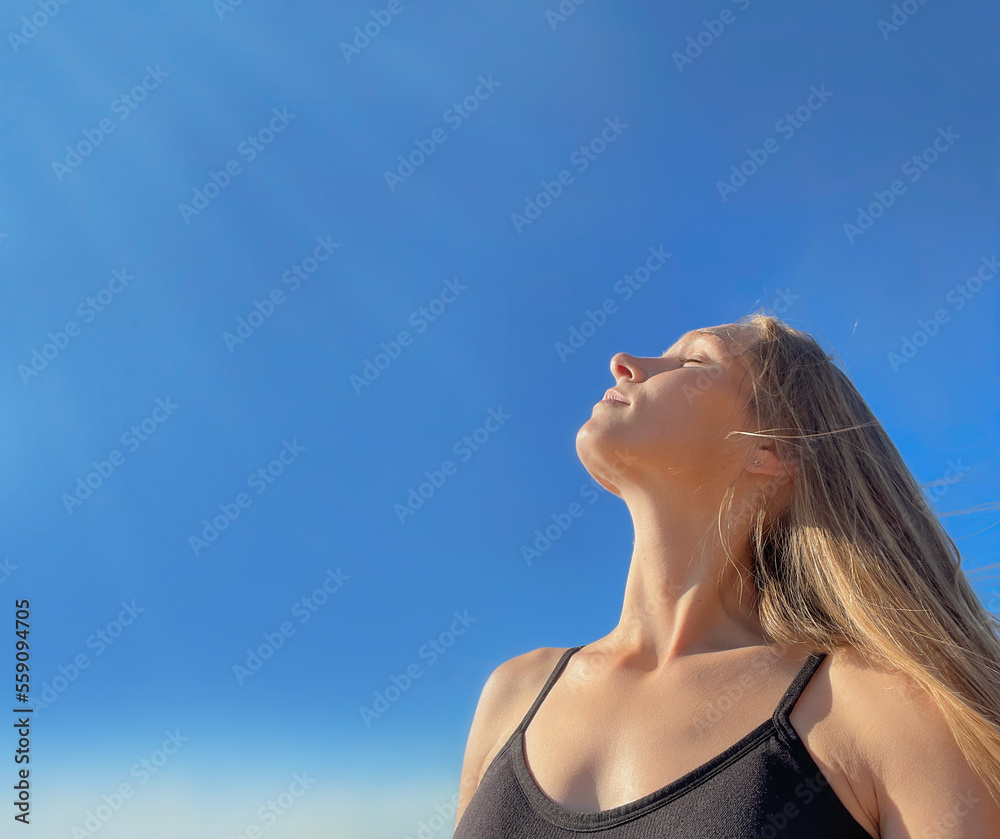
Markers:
{"x": 614, "y": 396}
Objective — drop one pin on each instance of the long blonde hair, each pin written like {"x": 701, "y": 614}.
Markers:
{"x": 857, "y": 557}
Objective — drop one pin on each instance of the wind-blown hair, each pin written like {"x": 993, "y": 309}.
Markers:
{"x": 857, "y": 556}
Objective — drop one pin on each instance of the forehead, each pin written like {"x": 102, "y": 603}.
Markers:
{"x": 733, "y": 338}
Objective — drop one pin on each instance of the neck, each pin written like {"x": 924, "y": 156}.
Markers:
{"x": 684, "y": 595}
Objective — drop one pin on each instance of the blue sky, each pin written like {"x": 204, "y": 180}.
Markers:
{"x": 218, "y": 220}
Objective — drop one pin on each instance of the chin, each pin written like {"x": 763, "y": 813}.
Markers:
{"x": 594, "y": 433}
{"x": 595, "y": 451}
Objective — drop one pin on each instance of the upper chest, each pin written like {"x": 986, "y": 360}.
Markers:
{"x": 601, "y": 740}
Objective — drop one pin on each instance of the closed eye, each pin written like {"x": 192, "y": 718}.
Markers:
{"x": 686, "y": 360}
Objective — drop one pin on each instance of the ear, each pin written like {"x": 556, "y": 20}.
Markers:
{"x": 768, "y": 464}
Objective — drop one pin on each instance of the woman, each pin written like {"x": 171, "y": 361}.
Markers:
{"x": 799, "y": 653}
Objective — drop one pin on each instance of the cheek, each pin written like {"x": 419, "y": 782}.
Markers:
{"x": 719, "y": 407}
{"x": 704, "y": 409}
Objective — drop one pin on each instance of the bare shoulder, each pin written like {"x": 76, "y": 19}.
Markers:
{"x": 876, "y": 703}
{"x": 897, "y": 740}
{"x": 519, "y": 675}
{"x": 505, "y": 699}
{"x": 509, "y": 692}
{"x": 875, "y": 686}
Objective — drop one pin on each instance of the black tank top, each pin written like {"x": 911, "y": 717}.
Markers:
{"x": 766, "y": 786}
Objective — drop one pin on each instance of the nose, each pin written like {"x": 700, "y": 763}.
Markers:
{"x": 627, "y": 366}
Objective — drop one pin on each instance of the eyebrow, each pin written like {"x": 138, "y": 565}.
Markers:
{"x": 705, "y": 333}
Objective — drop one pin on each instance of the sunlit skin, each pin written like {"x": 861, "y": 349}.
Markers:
{"x": 666, "y": 454}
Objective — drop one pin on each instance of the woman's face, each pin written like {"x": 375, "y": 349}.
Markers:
{"x": 680, "y": 407}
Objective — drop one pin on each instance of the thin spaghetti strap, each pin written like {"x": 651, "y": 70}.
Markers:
{"x": 546, "y": 688}
{"x": 795, "y": 689}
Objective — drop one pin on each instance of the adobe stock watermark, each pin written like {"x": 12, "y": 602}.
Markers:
{"x": 702, "y": 40}
{"x": 953, "y": 474}
{"x": 581, "y": 159}
{"x": 225, "y": 7}
{"x": 258, "y": 480}
{"x": 914, "y": 168}
{"x": 30, "y": 27}
{"x": 756, "y": 500}
{"x": 143, "y": 769}
{"x": 364, "y": 35}
{"x": 303, "y": 609}
{"x": 443, "y": 815}
{"x": 269, "y": 813}
{"x": 99, "y": 641}
{"x": 959, "y": 294}
{"x": 87, "y": 310}
{"x": 619, "y": 465}
{"x": 453, "y": 117}
{"x": 710, "y": 712}
{"x": 782, "y": 303}
{"x": 786, "y": 126}
{"x": 420, "y": 320}
{"x": 901, "y": 14}
{"x": 131, "y": 439}
{"x": 625, "y": 287}
{"x": 563, "y": 12}
{"x": 807, "y": 791}
{"x": 6, "y": 570}
{"x": 122, "y": 107}
{"x": 464, "y": 448}
{"x": 640, "y": 616}
{"x": 431, "y": 652}
{"x": 563, "y": 520}
{"x": 946, "y": 824}
{"x": 249, "y": 149}
{"x": 293, "y": 278}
